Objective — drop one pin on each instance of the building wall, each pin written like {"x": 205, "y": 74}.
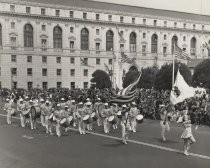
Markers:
{"x": 20, "y": 18}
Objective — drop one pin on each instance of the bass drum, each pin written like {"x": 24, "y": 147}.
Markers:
{"x": 87, "y": 119}
{"x": 139, "y": 118}
{"x": 112, "y": 120}
{"x": 93, "y": 116}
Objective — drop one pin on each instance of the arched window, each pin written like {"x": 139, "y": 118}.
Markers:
{"x": 133, "y": 42}
{"x": 109, "y": 40}
{"x": 154, "y": 43}
{"x": 0, "y": 35}
{"x": 28, "y": 36}
{"x": 193, "y": 43}
{"x": 174, "y": 41}
{"x": 84, "y": 39}
{"x": 57, "y": 37}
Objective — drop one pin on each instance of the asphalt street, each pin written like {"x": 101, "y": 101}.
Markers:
{"x": 23, "y": 148}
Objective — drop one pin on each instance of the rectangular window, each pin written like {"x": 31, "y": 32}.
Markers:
{"x": 98, "y": 61}
{"x": 29, "y": 71}
{"x": 14, "y": 85}
{"x": 194, "y": 26}
{"x": 110, "y": 61}
{"x": 184, "y": 49}
{"x": 28, "y": 10}
{"x": 71, "y": 44}
{"x": 184, "y": 25}
{"x": 164, "y": 51}
{"x": 43, "y": 27}
{"x": 110, "y": 17}
{"x": 144, "y": 50}
{"x": 12, "y": 25}
{"x": 84, "y": 15}
{"x": 29, "y": 59}
{"x": 133, "y": 20}
{"x": 44, "y": 85}
{"x": 57, "y": 13}
{"x": 144, "y": 21}
{"x": 13, "y": 43}
{"x": 12, "y": 8}
{"x": 121, "y": 19}
{"x": 58, "y": 72}
{"x": 144, "y": 35}
{"x": 44, "y": 72}
{"x": 85, "y": 72}
{"x": 44, "y": 59}
{"x": 85, "y": 85}
{"x": 13, "y": 58}
{"x": 72, "y": 72}
{"x": 155, "y": 23}
{"x": 71, "y": 14}
{"x": 165, "y": 23}
{"x": 59, "y": 85}
{"x": 72, "y": 85}
{"x": 97, "y": 48}
{"x": 58, "y": 60}
{"x": 72, "y": 60}
{"x": 184, "y": 38}
{"x": 86, "y": 61}
{"x": 30, "y": 85}
{"x": 175, "y": 24}
{"x": 97, "y": 31}
{"x": 14, "y": 71}
{"x": 97, "y": 16}
{"x": 43, "y": 11}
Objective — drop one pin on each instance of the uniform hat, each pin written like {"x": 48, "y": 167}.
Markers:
{"x": 47, "y": 101}
{"x": 41, "y": 100}
{"x": 62, "y": 98}
{"x": 66, "y": 106}
{"x": 80, "y": 103}
{"x": 124, "y": 106}
{"x": 133, "y": 103}
{"x": 98, "y": 99}
{"x": 58, "y": 105}
{"x": 88, "y": 99}
{"x": 30, "y": 101}
{"x": 106, "y": 104}
{"x": 7, "y": 99}
{"x": 73, "y": 101}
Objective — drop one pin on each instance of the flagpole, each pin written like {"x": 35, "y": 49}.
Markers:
{"x": 173, "y": 67}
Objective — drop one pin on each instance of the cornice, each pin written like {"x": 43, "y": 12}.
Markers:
{"x": 56, "y": 6}
{"x": 101, "y": 22}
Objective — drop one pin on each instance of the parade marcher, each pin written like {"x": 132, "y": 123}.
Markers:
{"x": 10, "y": 110}
{"x": 66, "y": 114}
{"x": 72, "y": 111}
{"x": 98, "y": 106}
{"x": 133, "y": 112}
{"x": 58, "y": 116}
{"x": 123, "y": 123}
{"x": 164, "y": 123}
{"x": 62, "y": 103}
{"x": 68, "y": 103}
{"x": 21, "y": 108}
{"x": 47, "y": 110}
{"x": 114, "y": 112}
{"x": 187, "y": 133}
{"x": 32, "y": 117}
{"x": 42, "y": 104}
{"x": 80, "y": 115}
{"x": 105, "y": 114}
{"x": 89, "y": 111}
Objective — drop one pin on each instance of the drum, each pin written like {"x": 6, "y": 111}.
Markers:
{"x": 139, "y": 118}
{"x": 70, "y": 120}
{"x": 87, "y": 119}
{"x": 112, "y": 120}
{"x": 64, "y": 123}
{"x": 119, "y": 114}
{"x": 13, "y": 112}
{"x": 94, "y": 117}
{"x": 38, "y": 111}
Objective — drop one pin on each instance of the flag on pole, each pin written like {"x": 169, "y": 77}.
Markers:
{"x": 125, "y": 59}
{"x": 84, "y": 63}
{"x": 181, "y": 90}
{"x": 106, "y": 67}
{"x": 119, "y": 33}
{"x": 179, "y": 53}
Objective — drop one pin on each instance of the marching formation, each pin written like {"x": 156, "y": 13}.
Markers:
{"x": 61, "y": 116}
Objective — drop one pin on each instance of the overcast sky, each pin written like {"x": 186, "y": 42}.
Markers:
{"x": 192, "y": 6}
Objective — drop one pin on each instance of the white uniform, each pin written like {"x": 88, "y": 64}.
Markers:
{"x": 9, "y": 108}
{"x": 132, "y": 118}
{"x": 105, "y": 114}
{"x": 80, "y": 115}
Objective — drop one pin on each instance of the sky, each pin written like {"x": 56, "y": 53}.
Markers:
{"x": 190, "y": 6}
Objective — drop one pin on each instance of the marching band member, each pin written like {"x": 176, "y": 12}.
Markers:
{"x": 42, "y": 104}
{"x": 63, "y": 103}
{"x": 105, "y": 114}
{"x": 21, "y": 108}
{"x": 123, "y": 123}
{"x": 132, "y": 116}
{"x": 164, "y": 123}
{"x": 187, "y": 135}
{"x": 47, "y": 110}
{"x": 89, "y": 111}
{"x": 32, "y": 119}
{"x": 10, "y": 110}
{"x": 114, "y": 112}
{"x": 98, "y": 107}
{"x": 72, "y": 111}
{"x": 80, "y": 115}
{"x": 58, "y": 116}
{"x": 66, "y": 114}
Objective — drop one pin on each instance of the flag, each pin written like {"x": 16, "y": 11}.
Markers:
{"x": 125, "y": 59}
{"x": 119, "y": 33}
{"x": 181, "y": 90}
{"x": 179, "y": 53}
{"x": 84, "y": 63}
{"x": 106, "y": 67}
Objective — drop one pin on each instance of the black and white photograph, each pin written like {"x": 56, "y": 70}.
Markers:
{"x": 104, "y": 84}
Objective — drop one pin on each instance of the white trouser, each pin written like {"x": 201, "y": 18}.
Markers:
{"x": 124, "y": 133}
{"x": 43, "y": 121}
{"x": 9, "y": 118}
{"x": 133, "y": 123}
{"x": 106, "y": 125}
{"x": 58, "y": 129}
{"x": 81, "y": 126}
{"x": 47, "y": 124}
{"x": 22, "y": 120}
{"x": 32, "y": 121}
